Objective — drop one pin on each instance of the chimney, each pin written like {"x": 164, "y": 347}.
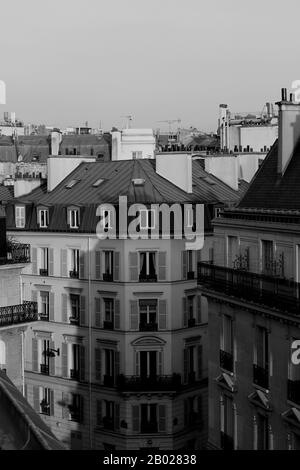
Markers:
{"x": 288, "y": 129}
{"x": 56, "y": 139}
{"x": 176, "y": 168}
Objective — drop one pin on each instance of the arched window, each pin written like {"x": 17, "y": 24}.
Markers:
{"x": 2, "y": 354}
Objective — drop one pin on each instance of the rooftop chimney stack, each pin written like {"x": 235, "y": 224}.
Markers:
{"x": 288, "y": 129}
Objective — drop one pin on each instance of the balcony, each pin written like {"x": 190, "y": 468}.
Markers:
{"x": 271, "y": 291}
{"x": 44, "y": 369}
{"x": 107, "y": 277}
{"x": 261, "y": 376}
{"x": 149, "y": 427}
{"x": 227, "y": 442}
{"x": 16, "y": 253}
{"x": 191, "y": 322}
{"x": 226, "y": 360}
{"x": 108, "y": 423}
{"x": 148, "y": 278}
{"x": 190, "y": 275}
{"x": 108, "y": 325}
{"x": 74, "y": 274}
{"x": 15, "y": 314}
{"x": 43, "y": 272}
{"x": 293, "y": 391}
{"x": 148, "y": 326}
{"x": 74, "y": 374}
{"x": 45, "y": 408}
{"x": 74, "y": 320}
{"x": 44, "y": 316}
{"x": 137, "y": 383}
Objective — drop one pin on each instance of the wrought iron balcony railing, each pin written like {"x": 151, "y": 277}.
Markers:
{"x": 108, "y": 423}
{"x": 154, "y": 383}
{"x": 261, "y": 376}
{"x": 108, "y": 277}
{"x": 149, "y": 427}
{"x": 74, "y": 374}
{"x": 14, "y": 314}
{"x": 191, "y": 322}
{"x": 190, "y": 275}
{"x": 108, "y": 325}
{"x": 148, "y": 326}
{"x": 108, "y": 380}
{"x": 227, "y": 442}
{"x": 74, "y": 274}
{"x": 275, "y": 292}
{"x": 293, "y": 391}
{"x": 17, "y": 253}
{"x": 44, "y": 369}
{"x": 43, "y": 272}
{"x": 226, "y": 360}
{"x": 148, "y": 277}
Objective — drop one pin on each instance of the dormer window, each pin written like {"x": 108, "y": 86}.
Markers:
{"x": 20, "y": 216}
{"x": 43, "y": 218}
{"x": 147, "y": 218}
{"x": 73, "y": 218}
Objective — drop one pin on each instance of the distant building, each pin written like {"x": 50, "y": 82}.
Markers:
{"x": 10, "y": 126}
{"x": 131, "y": 144}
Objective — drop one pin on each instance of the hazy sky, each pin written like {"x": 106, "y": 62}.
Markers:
{"x": 68, "y": 61}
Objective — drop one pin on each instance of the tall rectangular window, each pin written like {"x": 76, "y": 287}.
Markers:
{"x": 73, "y": 218}
{"x": 148, "y": 315}
{"x": 44, "y": 305}
{"x": 74, "y": 263}
{"x": 43, "y": 218}
{"x": 20, "y": 216}
{"x": 267, "y": 256}
{"x": 262, "y": 432}
{"x": 44, "y": 261}
{"x": 148, "y": 266}
{"x": 261, "y": 358}
{"x": 227, "y": 423}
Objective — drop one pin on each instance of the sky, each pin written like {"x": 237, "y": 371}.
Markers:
{"x": 66, "y": 62}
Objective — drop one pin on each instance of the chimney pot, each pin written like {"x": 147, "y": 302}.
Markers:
{"x": 283, "y": 94}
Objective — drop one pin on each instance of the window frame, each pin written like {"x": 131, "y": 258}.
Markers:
{"x": 21, "y": 208}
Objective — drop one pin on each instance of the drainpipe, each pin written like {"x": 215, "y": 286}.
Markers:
{"x": 90, "y": 345}
{"x": 23, "y": 362}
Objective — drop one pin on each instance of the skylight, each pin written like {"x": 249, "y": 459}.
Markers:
{"x": 138, "y": 181}
{"x": 97, "y": 182}
{"x": 72, "y": 183}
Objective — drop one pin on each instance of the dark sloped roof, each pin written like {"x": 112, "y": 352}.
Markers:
{"x": 5, "y": 193}
{"x": 41, "y": 437}
{"x": 270, "y": 190}
{"x": 243, "y": 186}
{"x": 210, "y": 189}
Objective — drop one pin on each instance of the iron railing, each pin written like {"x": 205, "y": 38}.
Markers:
{"x": 148, "y": 326}
{"x": 154, "y": 383}
{"x": 275, "y": 292}
{"x": 16, "y": 253}
{"x": 14, "y": 314}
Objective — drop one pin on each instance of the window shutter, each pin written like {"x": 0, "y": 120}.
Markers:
{"x": 117, "y": 314}
{"x": 51, "y": 306}
{"x": 82, "y": 265}
{"x": 185, "y": 312}
{"x": 185, "y": 365}
{"x": 82, "y": 310}
{"x": 51, "y": 262}
{"x": 162, "y": 265}
{"x": 98, "y": 353}
{"x": 135, "y": 418}
{"x": 99, "y": 412}
{"x": 134, "y": 315}
{"x": 34, "y": 260}
{"x": 82, "y": 363}
{"x": 35, "y": 355}
{"x": 64, "y": 360}
{"x": 81, "y": 401}
{"x": 162, "y": 314}
{"x": 161, "y": 418}
{"x": 137, "y": 363}
{"x": 98, "y": 264}
{"x": 51, "y": 359}
{"x": 36, "y": 398}
{"x": 198, "y": 308}
{"x": 66, "y": 402}
{"x": 133, "y": 266}
{"x": 184, "y": 264}
{"x": 98, "y": 312}
{"x": 52, "y": 402}
{"x": 117, "y": 415}
{"x": 34, "y": 295}
{"x": 64, "y": 308}
{"x": 199, "y": 356}
{"x": 116, "y": 266}
{"x": 160, "y": 363}
{"x": 117, "y": 363}
{"x": 63, "y": 263}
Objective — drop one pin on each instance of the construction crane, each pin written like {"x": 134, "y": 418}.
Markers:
{"x": 129, "y": 119}
{"x": 170, "y": 122}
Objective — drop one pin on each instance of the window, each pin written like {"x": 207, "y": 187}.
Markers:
{"x": 147, "y": 219}
{"x": 44, "y": 261}
{"x": 74, "y": 263}
{"x": 190, "y": 311}
{"x": 20, "y": 216}
{"x": 108, "y": 266}
{"x": 76, "y": 408}
{"x": 73, "y": 218}
{"x": 148, "y": 266}
{"x": 148, "y": 362}
{"x": 192, "y": 410}
{"x": 226, "y": 350}
{"x": 75, "y": 362}
{"x": 137, "y": 154}
{"x": 262, "y": 428}
{"x": 190, "y": 264}
{"x": 97, "y": 182}
{"x": 267, "y": 257}
{"x": 148, "y": 315}
{"x": 72, "y": 182}
{"x": 45, "y": 397}
{"x": 109, "y": 364}
{"x": 2, "y": 355}
{"x": 227, "y": 433}
{"x": 44, "y": 305}
{"x": 45, "y": 359}
{"x": 261, "y": 358}
{"x": 108, "y": 314}
{"x": 109, "y": 415}
{"x": 149, "y": 418}
{"x": 43, "y": 218}
{"x": 75, "y": 312}
{"x": 233, "y": 250}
